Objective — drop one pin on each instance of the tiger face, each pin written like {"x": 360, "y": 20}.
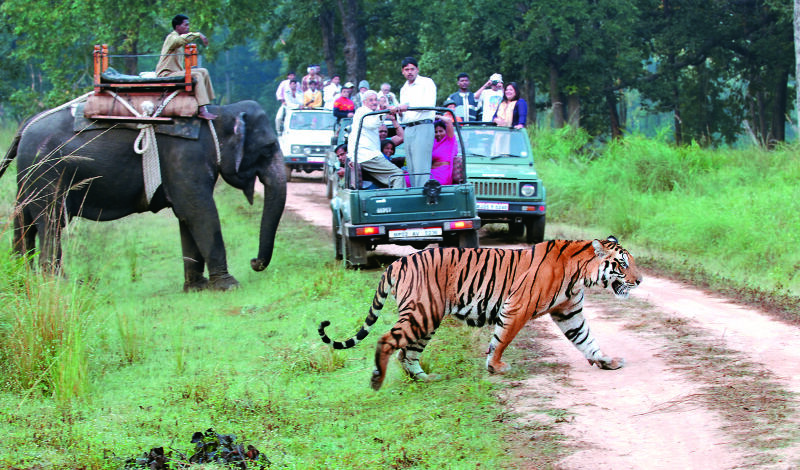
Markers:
{"x": 617, "y": 271}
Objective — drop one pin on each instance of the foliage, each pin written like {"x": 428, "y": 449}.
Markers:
{"x": 717, "y": 68}
{"x": 727, "y": 212}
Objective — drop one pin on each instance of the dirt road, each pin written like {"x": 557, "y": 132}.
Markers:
{"x": 707, "y": 384}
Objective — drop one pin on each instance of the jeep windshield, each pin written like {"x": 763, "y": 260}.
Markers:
{"x": 312, "y": 121}
{"x": 493, "y": 142}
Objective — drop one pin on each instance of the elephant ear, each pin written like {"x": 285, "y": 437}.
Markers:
{"x": 239, "y": 130}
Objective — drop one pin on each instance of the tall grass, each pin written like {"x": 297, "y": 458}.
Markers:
{"x": 45, "y": 321}
{"x": 732, "y": 213}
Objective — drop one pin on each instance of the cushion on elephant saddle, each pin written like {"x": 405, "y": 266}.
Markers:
{"x": 187, "y": 128}
{"x": 144, "y": 103}
{"x": 111, "y": 75}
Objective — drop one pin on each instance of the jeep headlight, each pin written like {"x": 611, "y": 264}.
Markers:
{"x": 297, "y": 149}
{"x": 528, "y": 190}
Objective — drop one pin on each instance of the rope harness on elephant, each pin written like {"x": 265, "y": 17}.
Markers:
{"x": 145, "y": 144}
{"x": 44, "y": 114}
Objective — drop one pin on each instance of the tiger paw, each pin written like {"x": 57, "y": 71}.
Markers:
{"x": 427, "y": 377}
{"x": 497, "y": 368}
{"x": 608, "y": 363}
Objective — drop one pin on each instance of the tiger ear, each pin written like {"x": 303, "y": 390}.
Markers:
{"x": 612, "y": 239}
{"x": 599, "y": 249}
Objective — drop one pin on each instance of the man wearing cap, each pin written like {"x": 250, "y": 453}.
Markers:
{"x": 466, "y": 106}
{"x": 489, "y": 97}
{"x": 418, "y": 91}
{"x": 313, "y": 74}
{"x": 358, "y": 99}
{"x": 343, "y": 106}
{"x": 386, "y": 92}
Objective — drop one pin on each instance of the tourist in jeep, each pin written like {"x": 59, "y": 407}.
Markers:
{"x": 368, "y": 154}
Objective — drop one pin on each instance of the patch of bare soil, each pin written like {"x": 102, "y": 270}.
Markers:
{"x": 707, "y": 384}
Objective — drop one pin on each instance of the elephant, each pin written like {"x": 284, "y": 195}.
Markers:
{"x": 97, "y": 175}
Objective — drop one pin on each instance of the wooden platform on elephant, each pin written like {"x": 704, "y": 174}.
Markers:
{"x": 141, "y": 98}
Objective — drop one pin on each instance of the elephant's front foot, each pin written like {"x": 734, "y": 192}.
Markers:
{"x": 223, "y": 282}
{"x": 195, "y": 285}
{"x": 258, "y": 264}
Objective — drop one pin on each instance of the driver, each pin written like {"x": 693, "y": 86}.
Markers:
{"x": 171, "y": 63}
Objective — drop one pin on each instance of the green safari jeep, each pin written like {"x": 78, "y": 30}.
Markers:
{"x": 417, "y": 216}
{"x": 507, "y": 187}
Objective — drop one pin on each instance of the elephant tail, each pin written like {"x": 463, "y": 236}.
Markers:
{"x": 10, "y": 154}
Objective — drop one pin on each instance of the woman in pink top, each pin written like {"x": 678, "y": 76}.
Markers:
{"x": 444, "y": 149}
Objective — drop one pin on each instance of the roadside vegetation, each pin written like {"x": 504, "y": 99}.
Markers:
{"x": 724, "y": 217}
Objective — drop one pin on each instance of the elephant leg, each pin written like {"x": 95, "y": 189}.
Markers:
{"x": 49, "y": 226}
{"x": 203, "y": 246}
{"x": 193, "y": 262}
{"x": 24, "y": 242}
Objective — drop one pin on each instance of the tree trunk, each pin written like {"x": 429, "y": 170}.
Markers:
{"x": 574, "y": 110}
{"x": 355, "y": 54}
{"x": 327, "y": 13}
{"x": 779, "y": 108}
{"x": 611, "y": 100}
{"x": 797, "y": 52}
{"x": 556, "y": 102}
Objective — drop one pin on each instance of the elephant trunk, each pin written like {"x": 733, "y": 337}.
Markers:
{"x": 274, "y": 181}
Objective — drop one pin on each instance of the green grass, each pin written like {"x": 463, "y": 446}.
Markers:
{"x": 161, "y": 364}
{"x": 731, "y": 215}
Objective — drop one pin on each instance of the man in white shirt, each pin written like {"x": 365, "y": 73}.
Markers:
{"x": 331, "y": 91}
{"x": 418, "y": 91}
{"x": 283, "y": 86}
{"x": 489, "y": 99}
{"x": 368, "y": 154}
{"x": 292, "y": 99}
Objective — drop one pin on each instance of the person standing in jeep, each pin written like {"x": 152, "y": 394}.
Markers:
{"x": 418, "y": 91}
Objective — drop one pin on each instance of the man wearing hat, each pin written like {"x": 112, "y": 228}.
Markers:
{"x": 358, "y": 99}
{"x": 489, "y": 97}
{"x": 343, "y": 106}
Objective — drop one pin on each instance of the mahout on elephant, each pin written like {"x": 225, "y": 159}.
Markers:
{"x": 95, "y": 173}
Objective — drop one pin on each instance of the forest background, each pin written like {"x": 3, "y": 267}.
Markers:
{"x": 712, "y": 72}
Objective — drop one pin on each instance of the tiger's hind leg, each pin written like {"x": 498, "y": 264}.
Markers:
{"x": 387, "y": 345}
{"x": 575, "y": 328}
{"x": 409, "y": 359}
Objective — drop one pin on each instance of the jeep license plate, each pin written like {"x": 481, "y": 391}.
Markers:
{"x": 415, "y": 233}
{"x": 315, "y": 159}
{"x": 491, "y": 206}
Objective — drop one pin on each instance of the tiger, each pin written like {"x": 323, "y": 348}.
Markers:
{"x": 494, "y": 286}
